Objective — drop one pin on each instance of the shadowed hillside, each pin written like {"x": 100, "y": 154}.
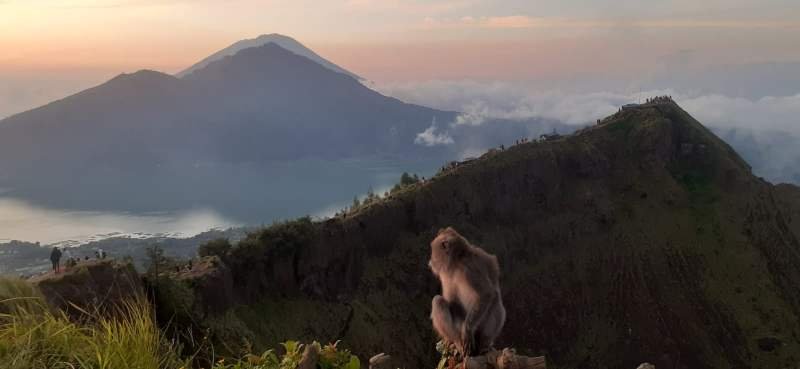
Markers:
{"x": 643, "y": 239}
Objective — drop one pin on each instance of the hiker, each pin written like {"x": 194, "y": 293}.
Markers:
{"x": 55, "y": 257}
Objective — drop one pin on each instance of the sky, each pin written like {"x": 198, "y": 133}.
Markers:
{"x": 51, "y": 48}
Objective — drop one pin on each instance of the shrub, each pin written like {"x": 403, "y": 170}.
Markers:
{"x": 218, "y": 247}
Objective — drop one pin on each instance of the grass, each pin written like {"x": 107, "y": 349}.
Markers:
{"x": 32, "y": 336}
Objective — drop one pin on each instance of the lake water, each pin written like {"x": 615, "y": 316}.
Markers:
{"x": 193, "y": 200}
{"x": 20, "y": 220}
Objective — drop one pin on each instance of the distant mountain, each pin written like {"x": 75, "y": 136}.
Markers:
{"x": 262, "y": 105}
{"x": 285, "y": 42}
{"x": 235, "y": 136}
{"x": 643, "y": 239}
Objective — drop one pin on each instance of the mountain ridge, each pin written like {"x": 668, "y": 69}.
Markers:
{"x": 643, "y": 239}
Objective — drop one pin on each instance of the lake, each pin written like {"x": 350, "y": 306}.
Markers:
{"x": 186, "y": 201}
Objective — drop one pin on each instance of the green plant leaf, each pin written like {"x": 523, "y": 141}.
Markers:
{"x": 354, "y": 363}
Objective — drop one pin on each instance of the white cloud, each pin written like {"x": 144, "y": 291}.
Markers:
{"x": 776, "y": 113}
{"x": 430, "y": 137}
{"x": 480, "y": 101}
{"x": 473, "y": 114}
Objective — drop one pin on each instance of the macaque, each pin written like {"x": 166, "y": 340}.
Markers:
{"x": 469, "y": 313}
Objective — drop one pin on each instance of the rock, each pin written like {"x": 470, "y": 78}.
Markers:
{"x": 646, "y": 366}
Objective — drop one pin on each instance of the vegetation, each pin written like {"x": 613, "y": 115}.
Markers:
{"x": 32, "y": 336}
{"x": 281, "y": 236}
{"x": 330, "y": 357}
{"x": 157, "y": 263}
{"x": 406, "y": 181}
{"x": 218, "y": 247}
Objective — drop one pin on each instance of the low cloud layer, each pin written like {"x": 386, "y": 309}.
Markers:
{"x": 766, "y": 130}
{"x": 482, "y": 101}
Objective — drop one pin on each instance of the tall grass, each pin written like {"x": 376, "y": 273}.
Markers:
{"x": 32, "y": 336}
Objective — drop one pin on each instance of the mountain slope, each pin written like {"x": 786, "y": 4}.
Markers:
{"x": 293, "y": 100}
{"x": 285, "y": 42}
{"x": 90, "y": 124}
{"x": 644, "y": 239}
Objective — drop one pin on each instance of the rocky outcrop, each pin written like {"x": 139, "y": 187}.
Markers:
{"x": 96, "y": 286}
{"x": 645, "y": 238}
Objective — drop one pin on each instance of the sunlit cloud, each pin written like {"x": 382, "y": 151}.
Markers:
{"x": 528, "y": 22}
{"x": 408, "y": 6}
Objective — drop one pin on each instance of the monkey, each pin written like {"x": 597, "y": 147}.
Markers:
{"x": 469, "y": 313}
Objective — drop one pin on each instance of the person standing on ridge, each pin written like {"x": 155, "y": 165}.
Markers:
{"x": 55, "y": 258}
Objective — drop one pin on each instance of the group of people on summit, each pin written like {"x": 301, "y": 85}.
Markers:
{"x": 659, "y": 99}
{"x": 56, "y": 254}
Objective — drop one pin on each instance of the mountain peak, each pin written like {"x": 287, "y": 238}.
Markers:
{"x": 283, "y": 41}
{"x": 263, "y": 65}
{"x": 274, "y": 36}
{"x": 140, "y": 81}
{"x": 664, "y": 126}
{"x": 142, "y": 74}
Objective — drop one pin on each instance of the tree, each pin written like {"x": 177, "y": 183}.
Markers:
{"x": 405, "y": 181}
{"x": 157, "y": 262}
{"x": 371, "y": 197}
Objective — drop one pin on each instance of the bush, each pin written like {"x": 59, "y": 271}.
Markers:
{"x": 280, "y": 237}
{"x": 219, "y": 247}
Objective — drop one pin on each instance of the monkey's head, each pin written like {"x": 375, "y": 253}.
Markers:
{"x": 448, "y": 246}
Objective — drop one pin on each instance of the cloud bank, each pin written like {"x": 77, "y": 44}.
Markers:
{"x": 765, "y": 131}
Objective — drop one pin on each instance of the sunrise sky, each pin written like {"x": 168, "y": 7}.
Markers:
{"x": 61, "y": 45}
